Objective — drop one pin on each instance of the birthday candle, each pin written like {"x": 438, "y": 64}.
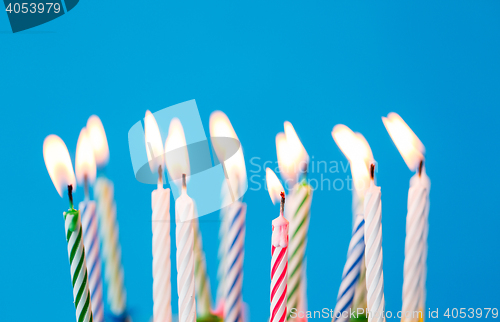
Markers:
{"x": 233, "y": 225}
{"x": 292, "y": 160}
{"x": 415, "y": 266}
{"x": 352, "y": 293}
{"x": 85, "y": 173}
{"x": 279, "y": 252}
{"x": 58, "y": 163}
{"x": 178, "y": 169}
{"x": 160, "y": 204}
{"x": 373, "y": 252}
{"x": 108, "y": 224}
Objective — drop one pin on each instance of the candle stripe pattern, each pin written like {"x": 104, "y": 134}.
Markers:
{"x": 235, "y": 240}
{"x": 359, "y": 300}
{"x": 373, "y": 253}
{"x": 202, "y": 283}
{"x": 423, "y": 278}
{"x": 351, "y": 272}
{"x": 297, "y": 212}
{"x": 414, "y": 248}
{"x": 79, "y": 277}
{"x": 162, "y": 295}
{"x": 221, "y": 270}
{"x": 279, "y": 277}
{"x": 185, "y": 263}
{"x": 111, "y": 250}
{"x": 93, "y": 260}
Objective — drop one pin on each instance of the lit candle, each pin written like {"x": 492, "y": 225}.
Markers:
{"x": 201, "y": 279}
{"x": 160, "y": 204}
{"x": 108, "y": 225}
{"x": 358, "y": 152}
{"x": 292, "y": 160}
{"x": 417, "y": 228}
{"x": 60, "y": 168}
{"x": 279, "y": 251}
{"x": 178, "y": 169}
{"x": 85, "y": 174}
{"x": 233, "y": 222}
{"x": 373, "y": 251}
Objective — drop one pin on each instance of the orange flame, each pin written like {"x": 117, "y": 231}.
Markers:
{"x": 98, "y": 139}
{"x": 85, "y": 165}
{"x": 410, "y": 147}
{"x": 292, "y": 156}
{"x": 154, "y": 145}
{"x": 274, "y": 185}
{"x": 58, "y": 163}
{"x": 176, "y": 151}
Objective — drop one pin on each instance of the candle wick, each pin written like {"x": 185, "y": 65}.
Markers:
{"x": 160, "y": 177}
{"x": 70, "y": 195}
{"x": 282, "y": 208}
{"x": 372, "y": 171}
{"x": 184, "y": 182}
{"x": 421, "y": 165}
{"x": 304, "y": 171}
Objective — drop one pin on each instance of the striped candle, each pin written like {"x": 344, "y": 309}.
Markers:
{"x": 359, "y": 300}
{"x": 184, "y": 234}
{"x": 427, "y": 184}
{"x": 79, "y": 277}
{"x": 373, "y": 253}
{"x": 297, "y": 212}
{"x": 235, "y": 240}
{"x": 351, "y": 272}
{"x": 201, "y": 280}
{"x": 162, "y": 295}
{"x": 93, "y": 260}
{"x": 414, "y": 249}
{"x": 222, "y": 256}
{"x": 111, "y": 250}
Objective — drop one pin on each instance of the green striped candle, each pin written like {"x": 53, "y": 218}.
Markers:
{"x": 76, "y": 253}
{"x": 298, "y": 213}
{"x": 202, "y": 283}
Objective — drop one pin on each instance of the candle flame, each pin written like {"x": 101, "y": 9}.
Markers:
{"x": 177, "y": 157}
{"x": 58, "y": 163}
{"x": 98, "y": 139}
{"x": 357, "y": 150}
{"x": 85, "y": 165}
{"x": 274, "y": 185}
{"x": 410, "y": 147}
{"x": 292, "y": 156}
{"x": 220, "y": 126}
{"x": 154, "y": 145}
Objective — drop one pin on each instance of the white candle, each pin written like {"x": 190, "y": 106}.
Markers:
{"x": 160, "y": 203}
{"x": 412, "y": 150}
{"x": 178, "y": 169}
{"x": 373, "y": 253}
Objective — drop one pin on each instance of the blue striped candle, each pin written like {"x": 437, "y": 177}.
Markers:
{"x": 351, "y": 272}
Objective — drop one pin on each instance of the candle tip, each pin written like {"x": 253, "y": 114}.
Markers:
{"x": 372, "y": 171}
{"x": 70, "y": 194}
{"x": 420, "y": 166}
{"x": 282, "y": 208}
{"x": 184, "y": 180}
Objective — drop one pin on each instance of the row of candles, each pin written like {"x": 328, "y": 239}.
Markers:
{"x": 95, "y": 225}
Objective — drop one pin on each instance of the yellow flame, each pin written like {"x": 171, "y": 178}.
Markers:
{"x": 85, "y": 165}
{"x": 176, "y": 152}
{"x": 410, "y": 147}
{"x": 357, "y": 150}
{"x": 220, "y": 126}
{"x": 154, "y": 144}
{"x": 274, "y": 185}
{"x": 99, "y": 142}
{"x": 58, "y": 163}
{"x": 292, "y": 156}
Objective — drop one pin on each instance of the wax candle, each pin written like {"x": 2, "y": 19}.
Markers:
{"x": 178, "y": 169}
{"x": 108, "y": 224}
{"x": 201, "y": 280}
{"x": 233, "y": 223}
{"x": 292, "y": 160}
{"x": 358, "y": 152}
{"x": 60, "y": 168}
{"x": 160, "y": 204}
{"x": 373, "y": 252}
{"x": 415, "y": 266}
{"x": 279, "y": 252}
{"x": 85, "y": 174}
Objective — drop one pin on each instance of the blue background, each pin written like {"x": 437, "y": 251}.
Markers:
{"x": 315, "y": 64}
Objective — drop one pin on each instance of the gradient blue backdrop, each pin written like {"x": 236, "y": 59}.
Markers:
{"x": 315, "y": 64}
